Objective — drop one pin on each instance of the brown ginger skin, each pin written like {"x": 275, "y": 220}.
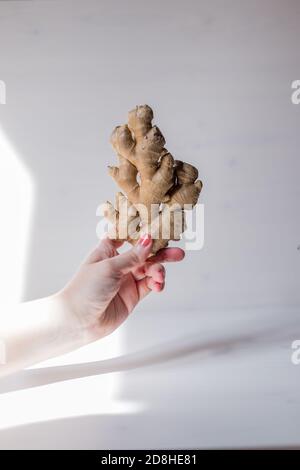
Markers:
{"x": 147, "y": 174}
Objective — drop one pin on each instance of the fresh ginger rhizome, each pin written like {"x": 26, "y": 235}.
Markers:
{"x": 156, "y": 189}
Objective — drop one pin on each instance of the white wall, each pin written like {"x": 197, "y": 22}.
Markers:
{"x": 218, "y": 75}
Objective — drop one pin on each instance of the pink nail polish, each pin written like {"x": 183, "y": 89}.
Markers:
{"x": 145, "y": 240}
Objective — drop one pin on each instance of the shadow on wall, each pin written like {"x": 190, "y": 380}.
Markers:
{"x": 150, "y": 357}
{"x": 181, "y": 348}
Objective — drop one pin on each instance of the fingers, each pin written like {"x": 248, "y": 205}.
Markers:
{"x": 167, "y": 255}
{"x": 154, "y": 270}
{"x": 155, "y": 286}
{"x": 147, "y": 285}
{"x": 151, "y": 275}
{"x": 105, "y": 249}
{"x": 143, "y": 289}
{"x": 133, "y": 258}
{"x": 152, "y": 279}
{"x": 153, "y": 267}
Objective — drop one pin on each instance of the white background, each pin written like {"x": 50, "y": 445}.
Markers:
{"x": 218, "y": 75}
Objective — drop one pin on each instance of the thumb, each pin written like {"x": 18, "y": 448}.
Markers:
{"x": 134, "y": 257}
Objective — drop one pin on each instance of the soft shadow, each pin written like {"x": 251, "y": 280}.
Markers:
{"x": 159, "y": 354}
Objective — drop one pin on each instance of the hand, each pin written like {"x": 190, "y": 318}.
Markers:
{"x": 109, "y": 285}
{"x": 96, "y": 301}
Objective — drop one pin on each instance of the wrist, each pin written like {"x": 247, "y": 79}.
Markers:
{"x": 77, "y": 331}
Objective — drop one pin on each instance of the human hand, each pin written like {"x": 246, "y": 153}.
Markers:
{"x": 109, "y": 285}
{"x": 95, "y": 302}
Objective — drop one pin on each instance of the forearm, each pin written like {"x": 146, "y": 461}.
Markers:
{"x": 94, "y": 303}
{"x": 35, "y": 331}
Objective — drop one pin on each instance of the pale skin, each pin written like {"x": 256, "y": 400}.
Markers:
{"x": 98, "y": 299}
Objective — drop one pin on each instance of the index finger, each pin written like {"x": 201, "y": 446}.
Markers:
{"x": 167, "y": 255}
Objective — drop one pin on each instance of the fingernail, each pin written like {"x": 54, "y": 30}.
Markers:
{"x": 145, "y": 240}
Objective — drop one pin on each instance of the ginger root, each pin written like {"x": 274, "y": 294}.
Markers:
{"x": 156, "y": 188}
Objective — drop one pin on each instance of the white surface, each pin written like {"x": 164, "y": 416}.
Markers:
{"x": 219, "y": 79}
{"x": 230, "y": 383}
{"x": 218, "y": 75}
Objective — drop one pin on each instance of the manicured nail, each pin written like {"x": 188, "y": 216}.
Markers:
{"x": 145, "y": 240}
